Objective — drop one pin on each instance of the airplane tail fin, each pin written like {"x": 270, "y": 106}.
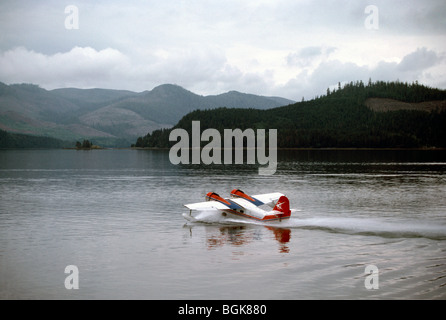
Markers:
{"x": 283, "y": 206}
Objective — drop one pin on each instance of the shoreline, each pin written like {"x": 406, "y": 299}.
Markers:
{"x": 311, "y": 149}
{"x": 280, "y": 149}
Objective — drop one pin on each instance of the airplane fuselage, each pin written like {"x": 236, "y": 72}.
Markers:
{"x": 243, "y": 208}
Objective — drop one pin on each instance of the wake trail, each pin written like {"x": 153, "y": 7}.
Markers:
{"x": 382, "y": 227}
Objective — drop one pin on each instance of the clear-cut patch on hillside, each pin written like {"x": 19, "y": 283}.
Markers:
{"x": 384, "y": 105}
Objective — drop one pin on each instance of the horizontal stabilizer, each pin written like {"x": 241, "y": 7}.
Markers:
{"x": 269, "y": 198}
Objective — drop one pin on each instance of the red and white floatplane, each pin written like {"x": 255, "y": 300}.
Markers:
{"x": 242, "y": 205}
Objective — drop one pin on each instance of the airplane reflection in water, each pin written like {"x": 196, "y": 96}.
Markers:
{"x": 239, "y": 236}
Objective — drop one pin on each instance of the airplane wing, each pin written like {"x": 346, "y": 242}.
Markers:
{"x": 219, "y": 203}
{"x": 269, "y": 198}
{"x": 207, "y": 205}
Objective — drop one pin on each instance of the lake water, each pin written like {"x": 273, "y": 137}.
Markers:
{"x": 117, "y": 215}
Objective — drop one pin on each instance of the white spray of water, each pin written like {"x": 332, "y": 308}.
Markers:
{"x": 349, "y": 225}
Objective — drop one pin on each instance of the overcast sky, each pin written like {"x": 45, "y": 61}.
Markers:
{"x": 288, "y": 48}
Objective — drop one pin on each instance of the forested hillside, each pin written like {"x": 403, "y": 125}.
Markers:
{"x": 14, "y": 140}
{"x": 340, "y": 118}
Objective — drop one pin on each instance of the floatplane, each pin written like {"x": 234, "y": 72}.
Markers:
{"x": 242, "y": 205}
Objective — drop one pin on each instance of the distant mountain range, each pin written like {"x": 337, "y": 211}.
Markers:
{"x": 109, "y": 117}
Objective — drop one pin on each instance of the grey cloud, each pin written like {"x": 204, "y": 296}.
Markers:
{"x": 419, "y": 60}
{"x": 413, "y": 17}
{"x": 412, "y": 67}
{"x": 202, "y": 69}
{"x": 307, "y": 54}
{"x": 81, "y": 67}
{"x": 310, "y": 52}
{"x": 138, "y": 44}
